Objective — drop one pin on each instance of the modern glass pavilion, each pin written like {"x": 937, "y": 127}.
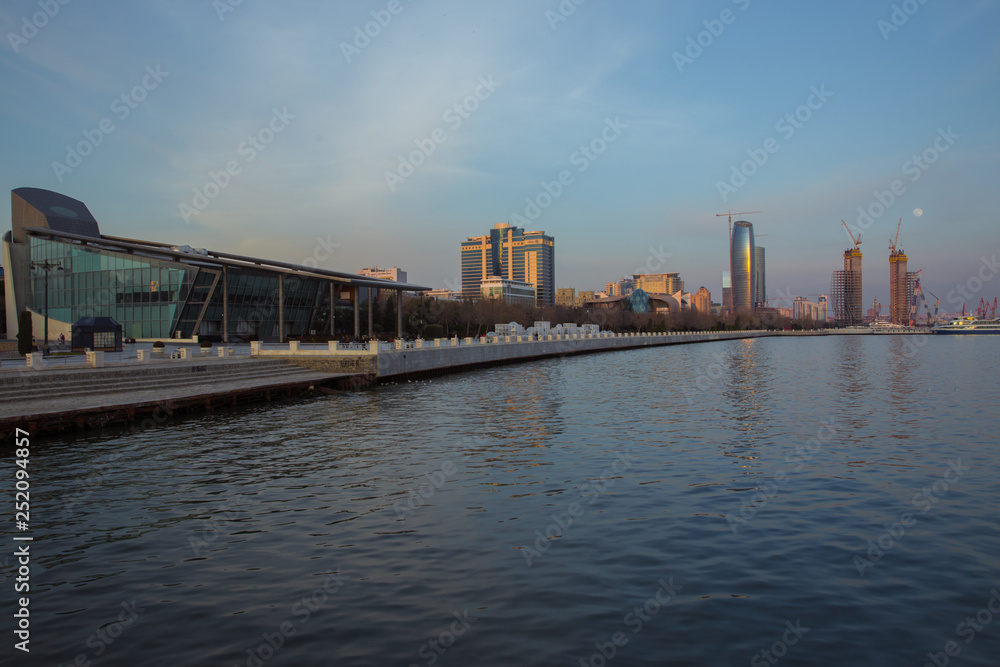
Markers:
{"x": 57, "y": 255}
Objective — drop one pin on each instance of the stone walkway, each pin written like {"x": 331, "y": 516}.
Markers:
{"x": 83, "y": 395}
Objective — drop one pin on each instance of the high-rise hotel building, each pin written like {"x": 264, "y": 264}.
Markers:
{"x": 743, "y": 269}
{"x": 512, "y": 253}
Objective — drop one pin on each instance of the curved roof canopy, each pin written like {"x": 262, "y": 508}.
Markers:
{"x": 34, "y": 207}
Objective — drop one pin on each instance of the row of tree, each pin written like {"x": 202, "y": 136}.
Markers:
{"x": 435, "y": 318}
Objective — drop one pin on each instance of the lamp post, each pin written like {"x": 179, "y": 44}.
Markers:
{"x": 46, "y": 266}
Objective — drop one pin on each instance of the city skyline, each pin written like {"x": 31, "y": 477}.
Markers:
{"x": 290, "y": 129}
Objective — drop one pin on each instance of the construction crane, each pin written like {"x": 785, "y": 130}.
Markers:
{"x": 731, "y": 214}
{"x": 893, "y": 244}
{"x": 857, "y": 241}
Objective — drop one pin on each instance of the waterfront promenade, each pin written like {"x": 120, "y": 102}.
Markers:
{"x": 411, "y": 359}
{"x": 66, "y": 394}
{"x": 68, "y": 397}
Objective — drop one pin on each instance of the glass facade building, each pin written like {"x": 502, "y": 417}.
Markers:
{"x": 145, "y": 293}
{"x": 66, "y": 270}
{"x": 760, "y": 285}
{"x": 742, "y": 270}
{"x": 511, "y": 253}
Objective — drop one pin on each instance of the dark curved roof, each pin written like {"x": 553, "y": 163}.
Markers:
{"x": 96, "y": 324}
{"x": 63, "y": 214}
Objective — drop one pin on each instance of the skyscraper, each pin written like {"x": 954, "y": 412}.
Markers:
{"x": 727, "y": 293}
{"x": 702, "y": 300}
{"x": 742, "y": 271}
{"x": 900, "y": 290}
{"x": 845, "y": 290}
{"x": 510, "y": 252}
{"x": 760, "y": 291}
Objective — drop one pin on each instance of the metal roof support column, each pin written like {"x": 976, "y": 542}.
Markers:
{"x": 371, "y": 312}
{"x": 357, "y": 315}
{"x": 225, "y": 304}
{"x": 281, "y": 308}
{"x": 399, "y": 314}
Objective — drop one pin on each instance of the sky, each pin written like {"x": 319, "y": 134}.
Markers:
{"x": 360, "y": 133}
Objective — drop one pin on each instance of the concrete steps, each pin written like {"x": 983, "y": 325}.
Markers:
{"x": 55, "y": 384}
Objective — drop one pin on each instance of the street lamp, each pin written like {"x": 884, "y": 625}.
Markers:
{"x": 46, "y": 266}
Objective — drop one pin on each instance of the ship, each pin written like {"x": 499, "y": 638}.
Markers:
{"x": 969, "y": 325}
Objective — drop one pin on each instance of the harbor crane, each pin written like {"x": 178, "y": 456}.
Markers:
{"x": 918, "y": 290}
{"x": 937, "y": 302}
{"x": 985, "y": 311}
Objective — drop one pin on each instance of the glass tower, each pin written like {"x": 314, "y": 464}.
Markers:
{"x": 742, "y": 271}
{"x": 760, "y": 286}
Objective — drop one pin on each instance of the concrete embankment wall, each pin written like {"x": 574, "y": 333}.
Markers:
{"x": 413, "y": 362}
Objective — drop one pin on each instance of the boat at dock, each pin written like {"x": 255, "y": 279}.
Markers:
{"x": 890, "y": 328}
{"x": 969, "y": 325}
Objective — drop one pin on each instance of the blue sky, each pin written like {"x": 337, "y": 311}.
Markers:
{"x": 310, "y": 118}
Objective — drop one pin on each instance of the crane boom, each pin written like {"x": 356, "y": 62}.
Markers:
{"x": 730, "y": 214}
{"x": 856, "y": 241}
{"x": 893, "y": 244}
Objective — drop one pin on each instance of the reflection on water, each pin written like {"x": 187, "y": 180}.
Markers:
{"x": 364, "y": 528}
{"x": 748, "y": 389}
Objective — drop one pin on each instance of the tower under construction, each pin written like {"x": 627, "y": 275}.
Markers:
{"x": 845, "y": 286}
{"x": 900, "y": 284}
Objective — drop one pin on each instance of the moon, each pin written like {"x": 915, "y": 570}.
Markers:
{"x": 918, "y": 212}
